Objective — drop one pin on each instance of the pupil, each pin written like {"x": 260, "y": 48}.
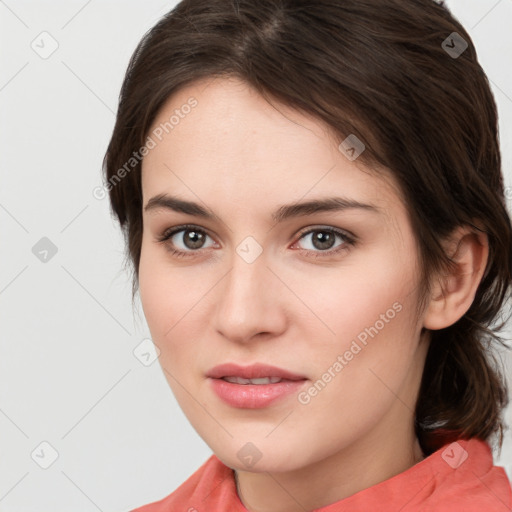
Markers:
{"x": 195, "y": 239}
{"x": 323, "y": 240}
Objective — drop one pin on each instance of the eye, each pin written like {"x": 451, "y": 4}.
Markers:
{"x": 323, "y": 240}
{"x": 192, "y": 240}
{"x": 184, "y": 241}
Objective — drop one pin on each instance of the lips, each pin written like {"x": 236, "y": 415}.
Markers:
{"x": 252, "y": 374}
{"x": 254, "y": 387}
{"x": 259, "y": 381}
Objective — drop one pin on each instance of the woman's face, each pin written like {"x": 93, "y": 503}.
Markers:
{"x": 327, "y": 295}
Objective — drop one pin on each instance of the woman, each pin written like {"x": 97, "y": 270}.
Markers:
{"x": 313, "y": 205}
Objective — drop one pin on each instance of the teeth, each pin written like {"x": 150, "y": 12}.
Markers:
{"x": 261, "y": 380}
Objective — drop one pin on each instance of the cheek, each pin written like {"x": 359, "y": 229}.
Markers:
{"x": 370, "y": 309}
{"x": 172, "y": 299}
{"x": 376, "y": 339}
{"x": 151, "y": 293}
{"x": 343, "y": 302}
{"x": 160, "y": 292}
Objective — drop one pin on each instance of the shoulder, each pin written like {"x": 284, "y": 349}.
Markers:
{"x": 466, "y": 479}
{"x": 212, "y": 481}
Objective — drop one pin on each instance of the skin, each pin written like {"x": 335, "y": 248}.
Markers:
{"x": 243, "y": 158}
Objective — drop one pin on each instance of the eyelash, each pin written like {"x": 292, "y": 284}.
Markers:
{"x": 349, "y": 241}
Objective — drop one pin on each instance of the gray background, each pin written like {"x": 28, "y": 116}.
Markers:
{"x": 69, "y": 375}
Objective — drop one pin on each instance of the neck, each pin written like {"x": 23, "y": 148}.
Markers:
{"x": 352, "y": 469}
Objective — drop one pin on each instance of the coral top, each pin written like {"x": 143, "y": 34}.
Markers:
{"x": 458, "y": 477}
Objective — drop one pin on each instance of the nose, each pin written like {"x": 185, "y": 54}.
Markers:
{"x": 251, "y": 301}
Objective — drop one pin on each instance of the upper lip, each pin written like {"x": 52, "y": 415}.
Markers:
{"x": 254, "y": 371}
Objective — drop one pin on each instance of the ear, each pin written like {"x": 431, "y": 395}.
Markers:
{"x": 454, "y": 293}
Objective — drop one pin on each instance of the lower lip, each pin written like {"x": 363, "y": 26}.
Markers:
{"x": 254, "y": 396}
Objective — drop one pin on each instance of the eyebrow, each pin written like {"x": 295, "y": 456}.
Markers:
{"x": 168, "y": 202}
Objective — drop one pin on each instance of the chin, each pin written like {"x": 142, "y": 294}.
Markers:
{"x": 260, "y": 456}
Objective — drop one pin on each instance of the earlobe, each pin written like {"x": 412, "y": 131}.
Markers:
{"x": 455, "y": 291}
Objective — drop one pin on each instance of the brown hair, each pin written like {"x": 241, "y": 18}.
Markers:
{"x": 378, "y": 69}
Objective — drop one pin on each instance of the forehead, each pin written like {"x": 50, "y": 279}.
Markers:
{"x": 233, "y": 143}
